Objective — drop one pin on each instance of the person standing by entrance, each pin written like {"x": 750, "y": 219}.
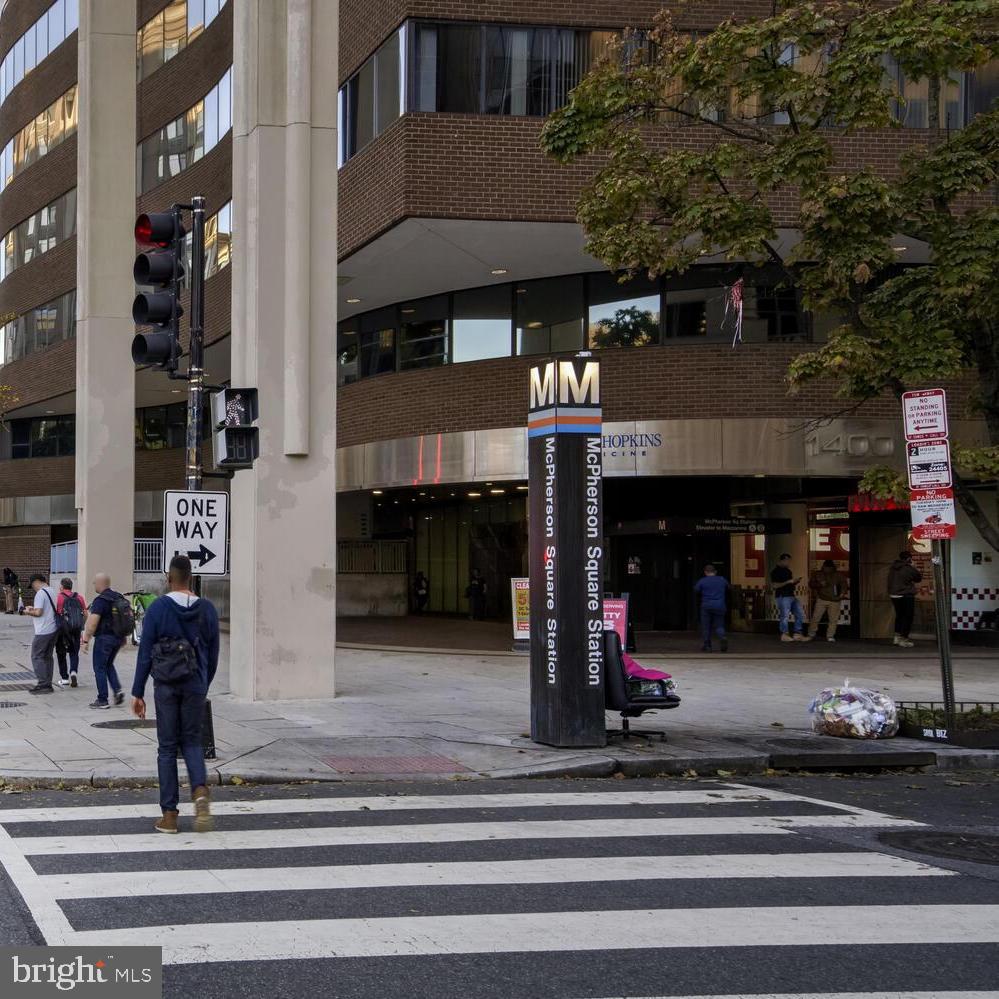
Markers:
{"x": 72, "y": 608}
{"x": 46, "y": 633}
{"x": 180, "y": 648}
{"x": 421, "y": 591}
{"x": 783, "y": 581}
{"x": 476, "y": 593}
{"x": 100, "y": 627}
{"x": 713, "y": 592}
{"x": 902, "y": 579}
{"x": 828, "y": 587}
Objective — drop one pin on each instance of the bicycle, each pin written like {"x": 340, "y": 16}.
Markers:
{"x": 141, "y": 600}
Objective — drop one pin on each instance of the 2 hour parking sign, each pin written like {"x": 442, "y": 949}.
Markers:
{"x": 196, "y": 524}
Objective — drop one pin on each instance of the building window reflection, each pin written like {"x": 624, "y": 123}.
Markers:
{"x": 186, "y": 139}
{"x": 550, "y": 315}
{"x": 423, "y": 333}
{"x": 46, "y": 437}
{"x": 372, "y": 98}
{"x": 49, "y": 129}
{"x": 39, "y": 328}
{"x": 482, "y": 323}
{"x": 39, "y": 233}
{"x": 170, "y": 31}
{"x": 44, "y": 36}
{"x": 623, "y": 315}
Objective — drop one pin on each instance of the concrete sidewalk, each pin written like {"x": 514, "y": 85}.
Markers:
{"x": 411, "y": 715}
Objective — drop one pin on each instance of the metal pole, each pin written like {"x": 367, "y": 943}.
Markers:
{"x": 941, "y": 599}
{"x": 196, "y": 357}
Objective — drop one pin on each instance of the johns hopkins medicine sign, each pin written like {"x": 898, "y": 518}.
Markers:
{"x": 565, "y": 463}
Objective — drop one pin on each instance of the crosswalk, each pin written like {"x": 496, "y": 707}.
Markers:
{"x": 695, "y": 890}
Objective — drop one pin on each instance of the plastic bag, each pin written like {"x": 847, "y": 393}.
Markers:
{"x": 854, "y": 713}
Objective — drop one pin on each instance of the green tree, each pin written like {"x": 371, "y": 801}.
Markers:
{"x": 628, "y": 327}
{"x": 697, "y": 138}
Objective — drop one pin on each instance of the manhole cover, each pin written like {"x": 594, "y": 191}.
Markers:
{"x": 11, "y": 704}
{"x": 978, "y": 848}
{"x": 126, "y": 723}
{"x": 394, "y": 764}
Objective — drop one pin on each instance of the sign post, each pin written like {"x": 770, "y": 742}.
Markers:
{"x": 934, "y": 518}
{"x": 565, "y": 463}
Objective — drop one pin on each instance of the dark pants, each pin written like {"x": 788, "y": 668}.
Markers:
{"x": 179, "y": 710}
{"x": 42, "y": 647}
{"x": 68, "y": 646}
{"x": 905, "y": 610}
{"x": 712, "y": 622}
{"x": 105, "y": 649}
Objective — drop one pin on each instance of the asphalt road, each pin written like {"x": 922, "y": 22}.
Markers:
{"x": 884, "y": 885}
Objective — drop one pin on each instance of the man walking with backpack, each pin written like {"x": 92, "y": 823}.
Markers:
{"x": 180, "y": 649}
{"x": 46, "y": 633}
{"x": 109, "y": 624}
{"x": 71, "y": 608}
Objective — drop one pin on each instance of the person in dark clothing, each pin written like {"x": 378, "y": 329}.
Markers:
{"x": 179, "y": 614}
{"x": 106, "y": 643}
{"x": 783, "y": 582}
{"x": 713, "y": 592}
{"x": 828, "y": 587}
{"x": 421, "y": 592}
{"x": 902, "y": 579}
{"x": 476, "y": 593}
{"x": 69, "y": 642}
{"x": 10, "y": 590}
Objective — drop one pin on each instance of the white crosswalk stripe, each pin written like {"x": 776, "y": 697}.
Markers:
{"x": 62, "y": 860}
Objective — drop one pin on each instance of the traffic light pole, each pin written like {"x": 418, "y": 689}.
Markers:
{"x": 196, "y": 354}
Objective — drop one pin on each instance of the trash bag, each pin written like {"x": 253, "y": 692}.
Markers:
{"x": 854, "y": 713}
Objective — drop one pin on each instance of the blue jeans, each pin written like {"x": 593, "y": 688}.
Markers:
{"x": 787, "y": 606}
{"x": 71, "y": 647}
{"x": 179, "y": 710}
{"x": 105, "y": 649}
{"x": 712, "y": 622}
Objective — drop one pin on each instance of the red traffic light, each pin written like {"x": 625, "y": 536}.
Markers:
{"x": 158, "y": 229}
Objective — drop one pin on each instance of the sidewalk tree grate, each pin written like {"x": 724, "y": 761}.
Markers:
{"x": 394, "y": 764}
{"x": 11, "y": 704}
{"x": 126, "y": 723}
{"x": 14, "y": 677}
{"x": 7, "y": 688}
{"x": 976, "y": 847}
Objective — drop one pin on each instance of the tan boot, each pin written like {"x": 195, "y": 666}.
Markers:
{"x": 167, "y": 823}
{"x": 202, "y": 810}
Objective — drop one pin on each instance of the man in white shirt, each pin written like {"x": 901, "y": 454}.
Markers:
{"x": 46, "y": 633}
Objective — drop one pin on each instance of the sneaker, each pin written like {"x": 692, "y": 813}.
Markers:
{"x": 785, "y": 637}
{"x": 906, "y": 644}
{"x": 724, "y": 645}
{"x": 830, "y": 639}
{"x": 802, "y": 638}
{"x": 100, "y": 705}
{"x": 897, "y": 640}
{"x": 63, "y": 683}
{"x": 167, "y": 822}
{"x": 119, "y": 698}
{"x": 41, "y": 688}
{"x": 72, "y": 680}
{"x": 202, "y": 810}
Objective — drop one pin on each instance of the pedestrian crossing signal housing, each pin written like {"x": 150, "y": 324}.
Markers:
{"x": 236, "y": 440}
{"x": 160, "y": 269}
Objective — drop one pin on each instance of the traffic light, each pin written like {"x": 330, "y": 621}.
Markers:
{"x": 160, "y": 268}
{"x": 237, "y": 443}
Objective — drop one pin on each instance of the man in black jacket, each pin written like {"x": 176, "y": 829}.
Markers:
{"x": 902, "y": 579}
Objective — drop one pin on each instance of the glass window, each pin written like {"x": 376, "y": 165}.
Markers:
{"x": 778, "y": 310}
{"x": 423, "y": 333}
{"x": 152, "y": 45}
{"x": 211, "y": 124}
{"x": 362, "y": 107}
{"x": 19, "y": 60}
{"x": 42, "y": 47}
{"x": 40, "y": 232}
{"x": 623, "y": 315}
{"x": 376, "y": 354}
{"x": 347, "y": 353}
{"x": 20, "y": 433}
{"x": 174, "y": 29}
{"x": 695, "y": 304}
{"x": 30, "y": 55}
{"x": 211, "y": 10}
{"x": 225, "y": 103}
{"x": 153, "y": 422}
{"x": 550, "y": 315}
{"x": 515, "y": 70}
{"x": 983, "y": 88}
{"x": 482, "y": 323}
{"x": 459, "y": 68}
{"x": 424, "y": 86}
{"x": 72, "y": 16}
{"x": 195, "y": 18}
{"x": 56, "y": 23}
{"x": 387, "y": 70}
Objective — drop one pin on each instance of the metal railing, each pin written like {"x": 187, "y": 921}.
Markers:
{"x": 147, "y": 556}
{"x": 375, "y": 557}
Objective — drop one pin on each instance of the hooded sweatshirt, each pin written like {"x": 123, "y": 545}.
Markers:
{"x": 192, "y": 618}
{"x": 902, "y": 578}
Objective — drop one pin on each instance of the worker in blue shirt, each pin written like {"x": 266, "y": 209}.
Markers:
{"x": 713, "y": 592}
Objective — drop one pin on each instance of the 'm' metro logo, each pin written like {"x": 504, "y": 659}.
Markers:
{"x": 584, "y": 390}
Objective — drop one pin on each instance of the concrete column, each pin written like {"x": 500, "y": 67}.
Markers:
{"x": 105, "y": 375}
{"x": 283, "y": 565}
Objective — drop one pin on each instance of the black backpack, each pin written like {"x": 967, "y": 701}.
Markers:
{"x": 122, "y": 617}
{"x": 175, "y": 659}
{"x": 72, "y": 614}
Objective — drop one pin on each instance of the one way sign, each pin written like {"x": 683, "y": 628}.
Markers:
{"x": 196, "y": 525}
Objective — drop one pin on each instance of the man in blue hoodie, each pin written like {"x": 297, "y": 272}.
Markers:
{"x": 713, "y": 591}
{"x": 179, "y": 614}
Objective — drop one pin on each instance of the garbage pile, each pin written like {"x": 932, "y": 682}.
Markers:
{"x": 854, "y": 713}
